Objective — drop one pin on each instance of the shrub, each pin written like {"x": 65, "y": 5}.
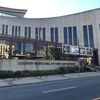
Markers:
{"x": 73, "y": 69}
{"x": 6, "y": 74}
{"x": 62, "y": 70}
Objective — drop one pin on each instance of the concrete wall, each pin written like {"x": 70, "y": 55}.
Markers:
{"x": 20, "y": 65}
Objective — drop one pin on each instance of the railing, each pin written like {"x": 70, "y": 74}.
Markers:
{"x": 94, "y": 68}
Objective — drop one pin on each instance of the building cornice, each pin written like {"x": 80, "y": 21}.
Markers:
{"x": 13, "y": 12}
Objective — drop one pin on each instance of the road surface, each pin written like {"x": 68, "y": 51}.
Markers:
{"x": 72, "y": 89}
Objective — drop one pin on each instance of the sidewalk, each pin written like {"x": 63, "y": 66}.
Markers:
{"x": 30, "y": 80}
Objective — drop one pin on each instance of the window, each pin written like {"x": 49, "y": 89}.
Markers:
{"x": 36, "y": 33}
{"x": 29, "y": 47}
{"x": 91, "y": 41}
{"x": 29, "y": 32}
{"x": 12, "y": 30}
{"x": 88, "y": 35}
{"x": 19, "y": 30}
{"x": 25, "y": 32}
{"x": 15, "y": 30}
{"x": 52, "y": 34}
{"x": 44, "y": 34}
{"x": 65, "y": 35}
{"x": 6, "y": 29}
{"x": 17, "y": 46}
{"x": 3, "y": 27}
{"x": 70, "y": 35}
{"x": 56, "y": 34}
{"x": 75, "y": 35}
{"x": 40, "y": 33}
{"x": 85, "y": 34}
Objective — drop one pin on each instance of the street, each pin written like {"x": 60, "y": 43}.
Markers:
{"x": 72, "y": 89}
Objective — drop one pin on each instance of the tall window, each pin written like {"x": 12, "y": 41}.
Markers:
{"x": 75, "y": 35}
{"x": 44, "y": 34}
{"x": 85, "y": 34}
{"x": 29, "y": 32}
{"x": 91, "y": 40}
{"x": 65, "y": 35}
{"x": 19, "y": 30}
{"x": 12, "y": 30}
{"x": 15, "y": 30}
{"x": 88, "y": 35}
{"x": 3, "y": 28}
{"x": 70, "y": 35}
{"x": 6, "y": 29}
{"x": 40, "y": 33}
{"x": 36, "y": 33}
{"x": 52, "y": 34}
{"x": 56, "y": 34}
{"x": 25, "y": 32}
{"x": 29, "y": 47}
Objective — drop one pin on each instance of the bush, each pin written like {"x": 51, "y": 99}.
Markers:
{"x": 6, "y": 74}
{"x": 73, "y": 69}
{"x": 62, "y": 70}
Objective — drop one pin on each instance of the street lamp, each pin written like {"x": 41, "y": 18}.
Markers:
{"x": 78, "y": 56}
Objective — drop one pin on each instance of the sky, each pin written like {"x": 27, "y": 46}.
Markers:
{"x": 51, "y": 8}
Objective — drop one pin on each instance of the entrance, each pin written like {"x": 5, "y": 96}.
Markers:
{"x": 95, "y": 57}
{"x": 84, "y": 61}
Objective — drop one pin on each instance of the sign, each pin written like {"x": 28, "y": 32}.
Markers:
{"x": 76, "y": 50}
{"x": 69, "y": 49}
{"x": 82, "y": 51}
{"x": 89, "y": 51}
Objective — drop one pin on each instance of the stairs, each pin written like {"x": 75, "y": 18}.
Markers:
{"x": 94, "y": 68}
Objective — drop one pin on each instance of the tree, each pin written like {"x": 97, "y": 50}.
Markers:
{"x": 48, "y": 52}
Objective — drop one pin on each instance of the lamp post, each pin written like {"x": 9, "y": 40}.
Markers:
{"x": 79, "y": 64}
{"x": 79, "y": 56}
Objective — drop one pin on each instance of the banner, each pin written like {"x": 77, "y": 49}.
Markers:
{"x": 69, "y": 49}
{"x": 76, "y": 50}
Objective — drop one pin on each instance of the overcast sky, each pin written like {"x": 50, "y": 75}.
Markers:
{"x": 51, "y": 8}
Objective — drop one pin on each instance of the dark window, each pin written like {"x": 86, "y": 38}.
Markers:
{"x": 6, "y": 29}
{"x": 56, "y": 34}
{"x": 65, "y": 35}
{"x": 40, "y": 32}
{"x": 19, "y": 30}
{"x": 52, "y": 34}
{"x": 13, "y": 30}
{"x": 91, "y": 35}
{"x": 75, "y": 35}
{"x": 43, "y": 34}
{"x": 29, "y": 32}
{"x": 25, "y": 32}
{"x": 70, "y": 35}
{"x": 3, "y": 28}
{"x": 85, "y": 34}
{"x": 36, "y": 33}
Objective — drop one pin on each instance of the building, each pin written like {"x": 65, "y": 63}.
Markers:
{"x": 30, "y": 34}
